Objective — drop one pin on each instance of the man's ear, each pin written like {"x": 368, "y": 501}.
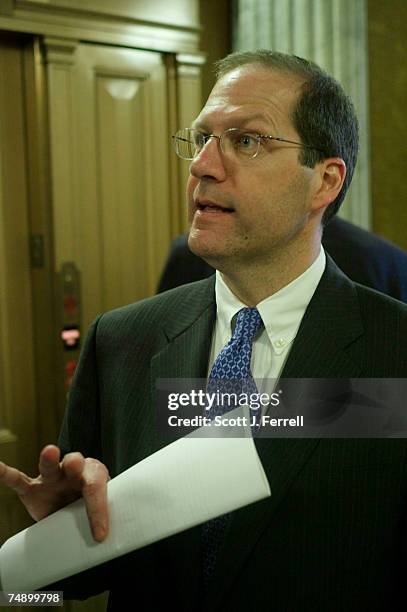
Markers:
{"x": 331, "y": 175}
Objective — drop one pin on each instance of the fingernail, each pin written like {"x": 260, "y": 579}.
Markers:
{"x": 99, "y": 532}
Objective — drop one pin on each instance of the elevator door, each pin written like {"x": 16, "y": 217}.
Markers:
{"x": 110, "y": 170}
{"x": 111, "y": 184}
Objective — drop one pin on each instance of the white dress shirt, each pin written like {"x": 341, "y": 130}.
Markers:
{"x": 281, "y": 314}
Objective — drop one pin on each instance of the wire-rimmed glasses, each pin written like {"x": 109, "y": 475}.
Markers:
{"x": 234, "y": 142}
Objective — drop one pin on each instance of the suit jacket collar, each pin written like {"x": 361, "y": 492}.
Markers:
{"x": 199, "y": 308}
{"x": 331, "y": 323}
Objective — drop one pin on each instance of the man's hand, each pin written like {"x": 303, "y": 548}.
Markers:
{"x": 60, "y": 483}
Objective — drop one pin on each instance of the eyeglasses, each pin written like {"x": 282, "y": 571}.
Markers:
{"x": 234, "y": 142}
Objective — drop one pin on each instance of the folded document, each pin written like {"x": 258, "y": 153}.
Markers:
{"x": 184, "y": 484}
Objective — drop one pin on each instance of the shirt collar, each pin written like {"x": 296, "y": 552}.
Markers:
{"x": 282, "y": 312}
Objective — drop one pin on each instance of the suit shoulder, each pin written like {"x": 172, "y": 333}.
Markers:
{"x": 153, "y": 311}
{"x": 380, "y": 302}
{"x": 382, "y": 314}
{"x": 381, "y": 349}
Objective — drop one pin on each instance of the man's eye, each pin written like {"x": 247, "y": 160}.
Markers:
{"x": 246, "y": 142}
{"x": 199, "y": 140}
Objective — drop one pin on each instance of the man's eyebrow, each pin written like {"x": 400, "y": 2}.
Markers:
{"x": 237, "y": 121}
{"x": 198, "y": 125}
{"x": 254, "y": 117}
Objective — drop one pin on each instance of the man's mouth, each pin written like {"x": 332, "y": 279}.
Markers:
{"x": 212, "y": 207}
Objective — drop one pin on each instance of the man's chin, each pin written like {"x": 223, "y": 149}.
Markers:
{"x": 196, "y": 243}
{"x": 205, "y": 251}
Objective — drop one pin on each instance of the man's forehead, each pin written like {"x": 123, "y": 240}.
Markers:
{"x": 259, "y": 71}
{"x": 252, "y": 92}
{"x": 263, "y": 80}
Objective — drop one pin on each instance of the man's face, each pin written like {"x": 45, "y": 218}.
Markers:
{"x": 247, "y": 211}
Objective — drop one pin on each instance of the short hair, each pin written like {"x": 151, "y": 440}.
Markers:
{"x": 324, "y": 115}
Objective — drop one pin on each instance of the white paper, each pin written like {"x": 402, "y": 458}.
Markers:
{"x": 184, "y": 484}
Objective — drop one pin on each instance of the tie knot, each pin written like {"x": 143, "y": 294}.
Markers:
{"x": 248, "y": 323}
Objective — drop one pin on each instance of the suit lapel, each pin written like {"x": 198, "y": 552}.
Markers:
{"x": 330, "y": 324}
{"x": 186, "y": 333}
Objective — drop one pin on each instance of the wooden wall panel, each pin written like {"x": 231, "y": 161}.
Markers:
{"x": 171, "y": 27}
{"x": 216, "y": 39}
{"x": 189, "y": 105}
{"x": 18, "y": 426}
{"x": 121, "y": 124}
{"x": 388, "y": 88}
{"x": 110, "y": 165}
{"x": 179, "y": 13}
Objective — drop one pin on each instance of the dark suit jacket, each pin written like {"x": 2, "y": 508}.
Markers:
{"x": 332, "y": 537}
{"x": 365, "y": 257}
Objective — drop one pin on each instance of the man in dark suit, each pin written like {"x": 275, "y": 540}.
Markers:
{"x": 272, "y": 154}
{"x": 365, "y": 257}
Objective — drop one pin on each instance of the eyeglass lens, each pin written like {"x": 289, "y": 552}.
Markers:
{"x": 189, "y": 143}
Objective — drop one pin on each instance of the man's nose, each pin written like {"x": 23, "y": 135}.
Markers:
{"x": 210, "y": 162}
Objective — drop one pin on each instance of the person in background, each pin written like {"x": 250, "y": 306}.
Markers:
{"x": 365, "y": 257}
{"x": 271, "y": 156}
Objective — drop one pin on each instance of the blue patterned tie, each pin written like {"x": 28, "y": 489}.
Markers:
{"x": 230, "y": 374}
{"x": 231, "y": 370}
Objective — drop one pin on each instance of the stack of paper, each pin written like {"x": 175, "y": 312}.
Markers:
{"x": 186, "y": 483}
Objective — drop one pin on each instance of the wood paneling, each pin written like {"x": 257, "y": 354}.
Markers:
{"x": 388, "y": 89}
{"x": 85, "y": 161}
{"x": 111, "y": 183}
{"x": 18, "y": 427}
{"x": 157, "y": 25}
{"x": 177, "y": 13}
{"x": 216, "y": 39}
